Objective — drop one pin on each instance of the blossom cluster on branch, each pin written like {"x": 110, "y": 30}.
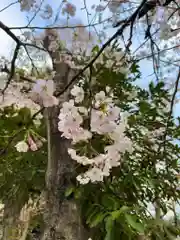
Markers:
{"x": 32, "y": 142}
{"x": 42, "y": 93}
{"x": 14, "y": 96}
{"x": 104, "y": 119}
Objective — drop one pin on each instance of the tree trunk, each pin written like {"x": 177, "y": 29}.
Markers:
{"x": 62, "y": 217}
{"x": 11, "y": 229}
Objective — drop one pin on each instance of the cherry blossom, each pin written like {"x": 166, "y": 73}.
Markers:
{"x": 14, "y": 96}
{"x": 100, "y": 122}
{"x": 83, "y": 110}
{"x": 70, "y": 9}
{"x": 44, "y": 87}
{"x": 105, "y": 120}
{"x": 42, "y": 92}
{"x": 32, "y": 144}
{"x": 22, "y": 146}
{"x": 26, "y": 5}
{"x": 78, "y": 93}
{"x": 80, "y": 159}
{"x": 70, "y": 121}
{"x": 47, "y": 12}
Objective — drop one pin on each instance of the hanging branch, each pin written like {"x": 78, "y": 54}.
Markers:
{"x": 12, "y": 70}
{"x": 19, "y": 43}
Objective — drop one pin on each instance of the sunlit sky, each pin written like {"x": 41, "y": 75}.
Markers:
{"x": 14, "y": 17}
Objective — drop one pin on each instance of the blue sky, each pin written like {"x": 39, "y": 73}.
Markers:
{"x": 14, "y": 17}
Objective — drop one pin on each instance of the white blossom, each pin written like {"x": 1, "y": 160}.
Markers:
{"x": 69, "y": 9}
{"x": 104, "y": 120}
{"x": 22, "y": 146}
{"x": 26, "y": 5}
{"x": 83, "y": 110}
{"x": 78, "y": 93}
{"x": 82, "y": 180}
{"x": 42, "y": 92}
{"x": 47, "y": 12}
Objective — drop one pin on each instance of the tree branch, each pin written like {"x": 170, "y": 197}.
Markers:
{"x": 12, "y": 70}
{"x": 19, "y": 43}
{"x": 9, "y": 5}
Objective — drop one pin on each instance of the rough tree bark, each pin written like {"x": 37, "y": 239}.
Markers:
{"x": 62, "y": 217}
{"x": 11, "y": 214}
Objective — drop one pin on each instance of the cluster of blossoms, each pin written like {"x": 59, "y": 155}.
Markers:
{"x": 14, "y": 96}
{"x": 105, "y": 120}
{"x": 42, "y": 93}
{"x": 69, "y": 9}
{"x": 33, "y": 142}
{"x": 116, "y": 61}
{"x": 47, "y": 12}
{"x": 27, "y": 5}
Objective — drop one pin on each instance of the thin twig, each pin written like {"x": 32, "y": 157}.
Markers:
{"x": 161, "y": 51}
{"x": 59, "y": 27}
{"x": 12, "y": 71}
{"x": 32, "y": 63}
{"x": 19, "y": 43}
{"x": 35, "y": 14}
{"x": 9, "y": 5}
{"x": 172, "y": 105}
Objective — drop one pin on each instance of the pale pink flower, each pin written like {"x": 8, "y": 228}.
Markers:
{"x": 113, "y": 155}
{"x": 67, "y": 107}
{"x": 47, "y": 12}
{"x": 81, "y": 135}
{"x": 78, "y": 93}
{"x": 101, "y": 162}
{"x": 80, "y": 159}
{"x": 44, "y": 87}
{"x": 33, "y": 147}
{"x": 50, "y": 101}
{"x": 100, "y": 97}
{"x": 100, "y": 123}
{"x": 42, "y": 92}
{"x": 70, "y": 9}
{"x": 94, "y": 174}
{"x": 26, "y": 5}
{"x": 32, "y": 144}
{"x": 113, "y": 113}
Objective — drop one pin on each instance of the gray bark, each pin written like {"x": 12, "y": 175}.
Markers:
{"x": 62, "y": 217}
{"x": 10, "y": 219}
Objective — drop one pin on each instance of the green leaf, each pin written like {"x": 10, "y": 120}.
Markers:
{"x": 169, "y": 234}
{"x": 109, "y": 223}
{"x": 134, "y": 68}
{"x": 95, "y": 49}
{"x": 116, "y": 214}
{"x": 132, "y": 221}
{"x": 97, "y": 219}
{"x": 109, "y": 227}
{"x": 69, "y": 191}
{"x": 94, "y": 211}
{"x": 144, "y": 106}
{"x": 110, "y": 202}
{"x": 77, "y": 193}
